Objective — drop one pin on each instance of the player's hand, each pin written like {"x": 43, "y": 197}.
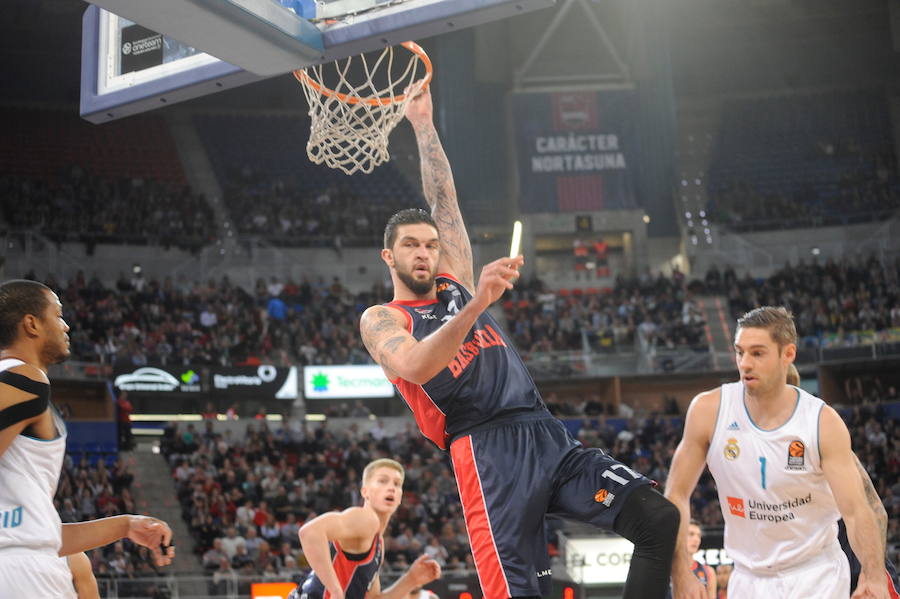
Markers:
{"x": 336, "y": 593}
{"x": 424, "y": 570}
{"x": 419, "y": 110}
{"x": 153, "y": 534}
{"x": 867, "y": 589}
{"x": 687, "y": 586}
{"x": 496, "y": 278}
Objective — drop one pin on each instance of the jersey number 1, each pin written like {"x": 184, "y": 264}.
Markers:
{"x": 762, "y": 471}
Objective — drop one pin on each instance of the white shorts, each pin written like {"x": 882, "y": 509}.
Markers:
{"x": 826, "y": 576}
{"x": 35, "y": 575}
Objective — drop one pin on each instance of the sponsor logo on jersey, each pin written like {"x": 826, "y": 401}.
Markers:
{"x": 733, "y": 426}
{"x": 736, "y": 507}
{"x": 543, "y": 573}
{"x": 732, "y": 451}
{"x": 796, "y": 455}
{"x": 481, "y": 339}
{"x": 768, "y": 512}
{"x": 425, "y": 314}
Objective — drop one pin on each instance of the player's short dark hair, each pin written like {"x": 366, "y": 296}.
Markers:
{"x": 776, "y": 319}
{"x": 409, "y": 216}
{"x": 19, "y": 297}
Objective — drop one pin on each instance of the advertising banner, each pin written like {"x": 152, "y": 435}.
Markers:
{"x": 141, "y": 48}
{"x": 605, "y": 560}
{"x": 345, "y": 382}
{"x": 575, "y": 150}
{"x": 158, "y": 379}
{"x": 262, "y": 382}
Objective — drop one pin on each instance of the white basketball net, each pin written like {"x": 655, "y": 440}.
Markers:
{"x": 351, "y": 122}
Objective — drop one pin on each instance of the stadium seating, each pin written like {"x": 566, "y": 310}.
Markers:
{"x": 803, "y": 160}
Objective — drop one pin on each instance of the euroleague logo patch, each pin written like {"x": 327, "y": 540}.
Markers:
{"x": 796, "y": 458}
{"x": 605, "y": 497}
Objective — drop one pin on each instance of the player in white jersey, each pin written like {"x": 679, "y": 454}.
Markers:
{"x": 33, "y": 335}
{"x": 785, "y": 474}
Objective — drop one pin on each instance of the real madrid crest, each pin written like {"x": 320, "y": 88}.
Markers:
{"x": 732, "y": 451}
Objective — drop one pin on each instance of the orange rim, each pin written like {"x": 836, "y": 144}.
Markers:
{"x": 304, "y": 79}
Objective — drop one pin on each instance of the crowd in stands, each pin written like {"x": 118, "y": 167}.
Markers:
{"x": 274, "y": 193}
{"x": 861, "y": 194}
{"x": 245, "y": 500}
{"x": 89, "y": 489}
{"x": 140, "y": 321}
{"x": 835, "y": 302}
{"x": 78, "y": 206}
{"x": 655, "y": 311}
{"x": 804, "y": 160}
{"x": 144, "y": 321}
{"x": 287, "y": 214}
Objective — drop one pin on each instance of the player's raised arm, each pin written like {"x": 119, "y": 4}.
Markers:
{"x": 687, "y": 466}
{"x": 349, "y": 528}
{"x": 440, "y": 192}
{"x": 385, "y": 334}
{"x": 840, "y": 469}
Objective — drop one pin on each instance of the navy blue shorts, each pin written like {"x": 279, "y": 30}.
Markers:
{"x": 511, "y": 474}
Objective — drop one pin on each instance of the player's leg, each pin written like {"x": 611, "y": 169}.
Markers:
{"x": 599, "y": 490}
{"x": 504, "y": 484}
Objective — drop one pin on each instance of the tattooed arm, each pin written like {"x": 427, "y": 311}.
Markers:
{"x": 440, "y": 193}
{"x": 385, "y": 333}
{"x": 874, "y": 502}
{"x": 840, "y": 470}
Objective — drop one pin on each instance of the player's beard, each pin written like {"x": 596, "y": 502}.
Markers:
{"x": 55, "y": 353}
{"x": 419, "y": 287}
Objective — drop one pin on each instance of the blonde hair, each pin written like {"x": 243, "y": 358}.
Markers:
{"x": 382, "y": 463}
{"x": 793, "y": 375}
{"x": 775, "y": 319}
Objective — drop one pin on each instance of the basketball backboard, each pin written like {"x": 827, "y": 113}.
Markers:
{"x": 138, "y": 55}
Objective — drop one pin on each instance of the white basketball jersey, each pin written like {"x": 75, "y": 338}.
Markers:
{"x": 29, "y": 473}
{"x": 778, "y": 508}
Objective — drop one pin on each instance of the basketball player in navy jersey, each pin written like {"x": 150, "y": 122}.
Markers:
{"x": 345, "y": 549}
{"x": 881, "y": 518}
{"x": 33, "y": 335}
{"x": 471, "y": 395}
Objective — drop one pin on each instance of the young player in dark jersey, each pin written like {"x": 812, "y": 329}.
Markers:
{"x": 345, "y": 549}
{"x": 472, "y": 395}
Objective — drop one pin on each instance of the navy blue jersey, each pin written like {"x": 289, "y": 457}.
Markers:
{"x": 487, "y": 378}
{"x": 355, "y": 571}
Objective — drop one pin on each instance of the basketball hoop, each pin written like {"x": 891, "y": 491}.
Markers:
{"x": 351, "y": 122}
